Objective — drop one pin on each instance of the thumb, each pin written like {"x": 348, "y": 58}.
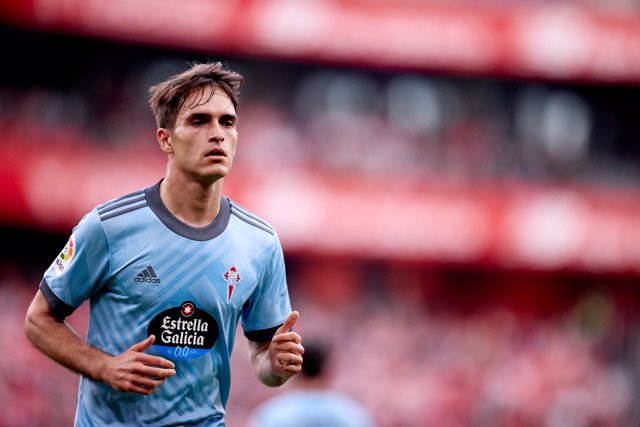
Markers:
{"x": 288, "y": 323}
{"x": 144, "y": 344}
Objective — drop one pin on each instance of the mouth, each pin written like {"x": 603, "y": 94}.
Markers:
{"x": 216, "y": 152}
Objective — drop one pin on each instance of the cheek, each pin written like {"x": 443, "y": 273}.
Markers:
{"x": 186, "y": 152}
{"x": 234, "y": 142}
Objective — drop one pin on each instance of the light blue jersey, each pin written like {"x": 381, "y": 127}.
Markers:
{"x": 312, "y": 408}
{"x": 145, "y": 272}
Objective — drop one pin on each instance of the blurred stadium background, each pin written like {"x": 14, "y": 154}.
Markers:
{"x": 456, "y": 185}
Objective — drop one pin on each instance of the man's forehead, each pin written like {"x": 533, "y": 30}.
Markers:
{"x": 206, "y": 95}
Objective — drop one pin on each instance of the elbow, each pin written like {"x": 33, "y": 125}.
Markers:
{"x": 37, "y": 317}
{"x": 273, "y": 381}
{"x": 30, "y": 325}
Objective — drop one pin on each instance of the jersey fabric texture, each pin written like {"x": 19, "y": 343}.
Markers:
{"x": 146, "y": 272}
{"x": 312, "y": 408}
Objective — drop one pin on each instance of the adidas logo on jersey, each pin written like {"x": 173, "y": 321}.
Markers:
{"x": 147, "y": 276}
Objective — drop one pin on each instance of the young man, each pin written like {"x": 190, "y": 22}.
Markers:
{"x": 170, "y": 270}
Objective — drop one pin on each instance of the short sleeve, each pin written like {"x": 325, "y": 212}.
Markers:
{"x": 80, "y": 269}
{"x": 269, "y": 304}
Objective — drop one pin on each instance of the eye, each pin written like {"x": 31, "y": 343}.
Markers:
{"x": 199, "y": 120}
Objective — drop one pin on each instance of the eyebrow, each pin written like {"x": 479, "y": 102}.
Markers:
{"x": 229, "y": 117}
{"x": 201, "y": 116}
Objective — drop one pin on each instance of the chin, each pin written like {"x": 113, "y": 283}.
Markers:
{"x": 215, "y": 175}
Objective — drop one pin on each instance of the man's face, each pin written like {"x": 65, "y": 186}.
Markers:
{"x": 203, "y": 141}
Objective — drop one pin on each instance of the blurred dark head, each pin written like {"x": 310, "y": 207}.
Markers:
{"x": 315, "y": 358}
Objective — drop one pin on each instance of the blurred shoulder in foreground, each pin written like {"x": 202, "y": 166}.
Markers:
{"x": 312, "y": 402}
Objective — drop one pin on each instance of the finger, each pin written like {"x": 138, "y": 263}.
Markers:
{"x": 290, "y": 359}
{"x": 287, "y": 348}
{"x": 148, "y": 383}
{"x": 290, "y": 368}
{"x": 288, "y": 323}
{"x": 160, "y": 362}
{"x": 148, "y": 371}
{"x": 287, "y": 338}
{"x": 138, "y": 385}
{"x": 144, "y": 344}
{"x": 140, "y": 389}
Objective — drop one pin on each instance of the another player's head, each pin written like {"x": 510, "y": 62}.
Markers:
{"x": 315, "y": 359}
{"x": 168, "y": 98}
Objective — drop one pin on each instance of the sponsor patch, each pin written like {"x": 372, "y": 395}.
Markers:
{"x": 62, "y": 261}
{"x": 184, "y": 332}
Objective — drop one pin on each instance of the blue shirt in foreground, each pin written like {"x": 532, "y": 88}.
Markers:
{"x": 312, "y": 408}
{"x": 146, "y": 272}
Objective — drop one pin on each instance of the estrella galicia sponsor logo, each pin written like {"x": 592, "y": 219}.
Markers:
{"x": 148, "y": 275}
{"x": 184, "y": 332}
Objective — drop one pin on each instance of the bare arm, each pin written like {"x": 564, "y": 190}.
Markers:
{"x": 275, "y": 361}
{"x": 131, "y": 371}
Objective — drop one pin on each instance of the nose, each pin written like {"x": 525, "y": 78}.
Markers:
{"x": 215, "y": 133}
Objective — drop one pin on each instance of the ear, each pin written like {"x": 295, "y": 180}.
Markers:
{"x": 164, "y": 139}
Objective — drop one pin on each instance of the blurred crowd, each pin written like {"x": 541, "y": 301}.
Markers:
{"x": 612, "y": 5}
{"x": 339, "y": 120}
{"x": 413, "y": 361}
{"x": 411, "y": 358}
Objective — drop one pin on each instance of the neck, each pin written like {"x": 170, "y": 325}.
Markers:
{"x": 195, "y": 203}
{"x": 316, "y": 383}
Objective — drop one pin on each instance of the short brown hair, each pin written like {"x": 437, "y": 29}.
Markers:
{"x": 168, "y": 97}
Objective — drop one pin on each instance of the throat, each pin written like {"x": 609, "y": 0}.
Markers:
{"x": 195, "y": 217}
{"x": 192, "y": 204}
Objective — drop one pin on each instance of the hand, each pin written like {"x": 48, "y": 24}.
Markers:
{"x": 136, "y": 372}
{"x": 285, "y": 349}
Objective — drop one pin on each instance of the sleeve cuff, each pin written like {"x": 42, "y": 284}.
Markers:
{"x": 58, "y": 307}
{"x": 261, "y": 334}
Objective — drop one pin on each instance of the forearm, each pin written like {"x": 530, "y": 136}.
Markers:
{"x": 60, "y": 342}
{"x": 261, "y": 364}
{"x": 130, "y": 371}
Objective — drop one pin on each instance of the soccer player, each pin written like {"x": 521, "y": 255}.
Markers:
{"x": 169, "y": 271}
{"x": 312, "y": 402}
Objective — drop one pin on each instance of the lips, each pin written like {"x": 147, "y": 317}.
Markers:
{"x": 215, "y": 152}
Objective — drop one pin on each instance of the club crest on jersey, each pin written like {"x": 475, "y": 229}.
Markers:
{"x": 62, "y": 261}
{"x": 184, "y": 332}
{"x": 232, "y": 276}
